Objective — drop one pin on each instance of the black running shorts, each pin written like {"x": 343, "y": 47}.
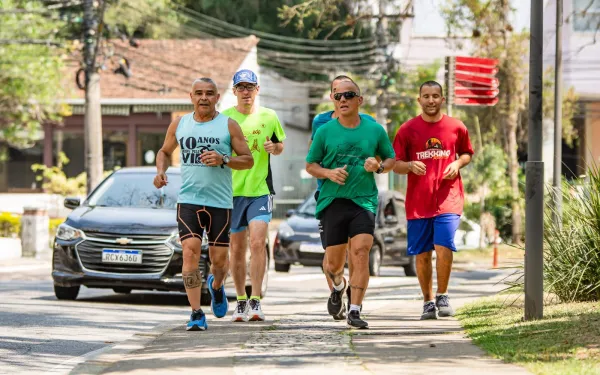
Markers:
{"x": 344, "y": 219}
{"x": 194, "y": 220}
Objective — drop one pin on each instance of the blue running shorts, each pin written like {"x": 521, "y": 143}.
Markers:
{"x": 423, "y": 234}
{"x": 247, "y": 209}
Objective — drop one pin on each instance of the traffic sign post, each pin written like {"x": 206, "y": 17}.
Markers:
{"x": 471, "y": 81}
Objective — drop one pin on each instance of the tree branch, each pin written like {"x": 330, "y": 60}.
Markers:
{"x": 31, "y": 41}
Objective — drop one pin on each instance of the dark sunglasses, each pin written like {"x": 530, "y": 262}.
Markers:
{"x": 347, "y": 95}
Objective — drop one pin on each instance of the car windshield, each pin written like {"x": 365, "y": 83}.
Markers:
{"x": 308, "y": 208}
{"x": 136, "y": 190}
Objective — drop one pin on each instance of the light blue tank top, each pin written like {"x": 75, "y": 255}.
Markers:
{"x": 202, "y": 185}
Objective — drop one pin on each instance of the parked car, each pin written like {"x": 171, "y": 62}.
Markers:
{"x": 124, "y": 236}
{"x": 298, "y": 240}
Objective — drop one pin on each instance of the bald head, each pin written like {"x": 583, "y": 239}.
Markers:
{"x": 204, "y": 80}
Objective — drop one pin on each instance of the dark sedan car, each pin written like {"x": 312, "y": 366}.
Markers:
{"x": 124, "y": 236}
{"x": 298, "y": 240}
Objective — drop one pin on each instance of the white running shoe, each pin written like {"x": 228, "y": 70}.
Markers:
{"x": 240, "y": 314}
{"x": 256, "y": 314}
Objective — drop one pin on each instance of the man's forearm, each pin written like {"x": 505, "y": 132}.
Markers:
{"x": 317, "y": 171}
{"x": 163, "y": 161}
{"x": 401, "y": 167}
{"x": 464, "y": 160}
{"x": 241, "y": 162}
{"x": 278, "y": 148}
{"x": 388, "y": 165}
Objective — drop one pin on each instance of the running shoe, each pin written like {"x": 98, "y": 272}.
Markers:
{"x": 240, "y": 314}
{"x": 197, "y": 321}
{"x": 255, "y": 314}
{"x": 443, "y": 304}
{"x": 219, "y": 304}
{"x": 429, "y": 311}
{"x": 354, "y": 320}
{"x": 335, "y": 304}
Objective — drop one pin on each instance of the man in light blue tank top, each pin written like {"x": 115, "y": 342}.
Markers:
{"x": 206, "y": 139}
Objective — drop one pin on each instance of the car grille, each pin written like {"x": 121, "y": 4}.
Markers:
{"x": 155, "y": 253}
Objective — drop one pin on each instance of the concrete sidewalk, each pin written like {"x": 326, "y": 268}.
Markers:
{"x": 300, "y": 338}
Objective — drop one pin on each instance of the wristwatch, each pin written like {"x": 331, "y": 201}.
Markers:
{"x": 226, "y": 159}
{"x": 380, "y": 169}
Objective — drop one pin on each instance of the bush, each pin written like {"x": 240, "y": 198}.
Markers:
{"x": 572, "y": 250}
{"x": 10, "y": 225}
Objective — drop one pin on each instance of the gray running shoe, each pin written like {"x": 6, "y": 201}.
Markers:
{"x": 443, "y": 305}
{"x": 429, "y": 311}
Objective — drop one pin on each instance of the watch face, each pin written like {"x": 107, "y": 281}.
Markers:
{"x": 225, "y": 159}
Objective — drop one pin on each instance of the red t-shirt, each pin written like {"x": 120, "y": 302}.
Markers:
{"x": 437, "y": 144}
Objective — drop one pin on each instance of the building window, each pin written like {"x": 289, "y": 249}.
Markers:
{"x": 586, "y": 15}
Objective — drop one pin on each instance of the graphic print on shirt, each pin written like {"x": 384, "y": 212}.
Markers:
{"x": 349, "y": 154}
{"x": 433, "y": 150}
{"x": 192, "y": 149}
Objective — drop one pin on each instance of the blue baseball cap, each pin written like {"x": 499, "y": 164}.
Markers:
{"x": 245, "y": 75}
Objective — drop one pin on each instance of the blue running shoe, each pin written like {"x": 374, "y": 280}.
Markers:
{"x": 219, "y": 304}
{"x": 197, "y": 321}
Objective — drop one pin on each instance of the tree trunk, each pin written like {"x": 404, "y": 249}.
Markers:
{"x": 513, "y": 168}
{"x": 93, "y": 133}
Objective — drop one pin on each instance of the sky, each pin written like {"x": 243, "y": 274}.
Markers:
{"x": 429, "y": 22}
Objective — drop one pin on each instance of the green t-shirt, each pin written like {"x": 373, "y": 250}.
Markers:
{"x": 256, "y": 127}
{"x": 335, "y": 146}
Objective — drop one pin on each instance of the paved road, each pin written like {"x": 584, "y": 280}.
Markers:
{"x": 40, "y": 334}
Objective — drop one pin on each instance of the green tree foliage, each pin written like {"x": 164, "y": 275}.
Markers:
{"x": 157, "y": 19}
{"x": 30, "y": 74}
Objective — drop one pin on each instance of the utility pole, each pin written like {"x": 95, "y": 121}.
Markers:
{"x": 382, "y": 97}
{"x": 92, "y": 24}
{"x": 534, "y": 185}
{"x": 557, "y": 180}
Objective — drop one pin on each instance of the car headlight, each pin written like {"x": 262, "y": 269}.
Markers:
{"x": 285, "y": 230}
{"x": 174, "y": 241}
{"x": 68, "y": 233}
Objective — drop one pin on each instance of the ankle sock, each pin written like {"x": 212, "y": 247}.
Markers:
{"x": 242, "y": 298}
{"x": 256, "y": 298}
{"x": 354, "y": 307}
{"x": 340, "y": 287}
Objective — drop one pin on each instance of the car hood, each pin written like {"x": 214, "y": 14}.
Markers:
{"x": 305, "y": 224}
{"x": 123, "y": 220}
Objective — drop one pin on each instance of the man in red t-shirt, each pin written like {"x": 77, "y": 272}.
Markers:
{"x": 431, "y": 149}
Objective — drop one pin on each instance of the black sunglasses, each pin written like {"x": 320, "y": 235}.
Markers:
{"x": 347, "y": 95}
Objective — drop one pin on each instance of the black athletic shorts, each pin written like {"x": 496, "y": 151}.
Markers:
{"x": 194, "y": 220}
{"x": 344, "y": 219}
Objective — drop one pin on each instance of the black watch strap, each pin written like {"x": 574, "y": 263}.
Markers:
{"x": 380, "y": 169}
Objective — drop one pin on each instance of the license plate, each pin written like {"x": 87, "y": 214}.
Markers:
{"x": 122, "y": 256}
{"x": 311, "y": 248}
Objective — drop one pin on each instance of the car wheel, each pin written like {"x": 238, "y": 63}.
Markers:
{"x": 411, "y": 268}
{"x": 282, "y": 267}
{"x": 66, "y": 292}
{"x": 375, "y": 260}
{"x": 205, "y": 299}
{"x": 122, "y": 290}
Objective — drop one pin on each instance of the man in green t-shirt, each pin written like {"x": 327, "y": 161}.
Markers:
{"x": 252, "y": 193}
{"x": 343, "y": 154}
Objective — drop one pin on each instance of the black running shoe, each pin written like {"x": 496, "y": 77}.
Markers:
{"x": 341, "y": 315}
{"x": 355, "y": 321}
{"x": 443, "y": 305}
{"x": 429, "y": 311}
{"x": 335, "y": 304}
{"x": 349, "y": 296}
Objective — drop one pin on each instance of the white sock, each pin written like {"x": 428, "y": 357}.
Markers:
{"x": 340, "y": 287}
{"x": 426, "y": 302}
{"x": 442, "y": 294}
{"x": 354, "y": 307}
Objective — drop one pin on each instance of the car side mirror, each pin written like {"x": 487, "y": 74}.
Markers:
{"x": 391, "y": 220}
{"x": 72, "y": 203}
{"x": 289, "y": 213}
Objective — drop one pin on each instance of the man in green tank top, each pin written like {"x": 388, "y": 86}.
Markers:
{"x": 252, "y": 193}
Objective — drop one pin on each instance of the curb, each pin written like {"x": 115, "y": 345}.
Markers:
{"x": 104, "y": 359}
